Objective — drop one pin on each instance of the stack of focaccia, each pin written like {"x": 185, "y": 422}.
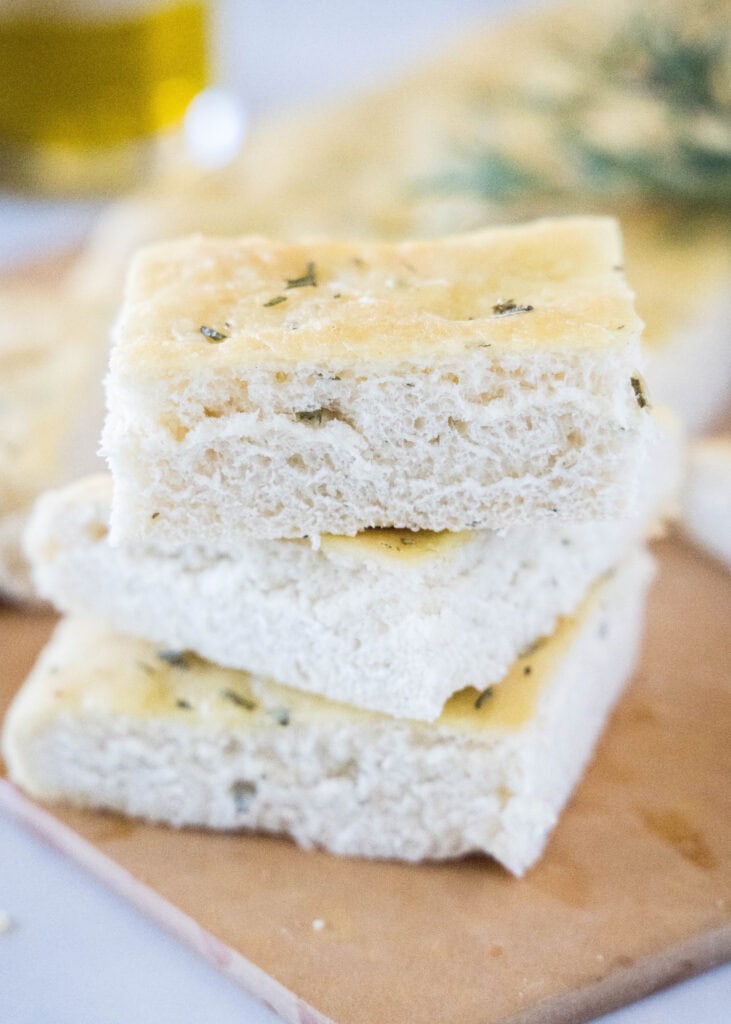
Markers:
{"x": 396, "y": 496}
{"x": 560, "y": 110}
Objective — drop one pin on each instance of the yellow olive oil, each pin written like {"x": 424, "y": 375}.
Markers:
{"x": 83, "y": 95}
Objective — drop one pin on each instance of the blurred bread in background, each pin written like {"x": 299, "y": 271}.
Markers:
{"x": 52, "y": 355}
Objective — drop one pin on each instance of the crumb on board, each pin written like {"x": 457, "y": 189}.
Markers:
{"x": 318, "y": 924}
{"x": 6, "y": 922}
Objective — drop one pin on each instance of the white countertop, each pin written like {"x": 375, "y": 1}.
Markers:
{"x": 74, "y": 953}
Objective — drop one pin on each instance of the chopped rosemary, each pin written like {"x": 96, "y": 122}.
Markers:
{"x": 238, "y": 699}
{"x": 212, "y": 334}
{"x": 276, "y": 300}
{"x": 485, "y": 695}
{"x": 639, "y": 392}
{"x": 183, "y": 704}
{"x": 532, "y": 648}
{"x": 178, "y": 659}
{"x": 527, "y": 670}
{"x": 308, "y": 279}
{"x": 316, "y": 415}
{"x": 509, "y": 307}
{"x": 154, "y": 515}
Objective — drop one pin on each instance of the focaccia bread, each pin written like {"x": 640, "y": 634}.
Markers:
{"x": 51, "y": 354}
{"x": 706, "y": 500}
{"x": 388, "y": 620}
{"x": 273, "y": 389}
{"x": 566, "y": 109}
{"x": 109, "y": 722}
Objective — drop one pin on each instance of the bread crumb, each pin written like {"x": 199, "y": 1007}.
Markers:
{"x": 318, "y": 924}
{"x": 6, "y": 922}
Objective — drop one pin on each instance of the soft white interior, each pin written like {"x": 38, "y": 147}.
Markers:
{"x": 394, "y": 632}
{"x": 463, "y": 443}
{"x": 351, "y": 782}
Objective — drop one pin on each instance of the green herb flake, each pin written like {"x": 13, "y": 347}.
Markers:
{"x": 276, "y": 300}
{"x": 485, "y": 695}
{"x": 509, "y": 308}
{"x": 154, "y": 515}
{"x": 178, "y": 659}
{"x": 212, "y": 335}
{"x": 307, "y": 280}
{"x": 315, "y": 415}
{"x": 238, "y": 699}
{"x": 527, "y": 670}
{"x": 280, "y": 715}
{"x": 184, "y": 705}
{"x": 532, "y": 648}
{"x": 640, "y": 395}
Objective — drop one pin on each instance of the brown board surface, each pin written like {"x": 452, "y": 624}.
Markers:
{"x": 634, "y": 890}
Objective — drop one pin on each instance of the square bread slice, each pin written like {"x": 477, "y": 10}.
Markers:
{"x": 106, "y": 721}
{"x": 392, "y": 621}
{"x": 706, "y": 501}
{"x": 279, "y": 390}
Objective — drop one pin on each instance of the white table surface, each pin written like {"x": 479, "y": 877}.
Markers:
{"x": 74, "y": 953}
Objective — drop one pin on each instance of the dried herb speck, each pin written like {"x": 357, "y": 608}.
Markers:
{"x": 212, "y": 335}
{"x": 639, "y": 392}
{"x": 184, "y": 705}
{"x": 307, "y": 280}
{"x": 510, "y": 307}
{"x": 527, "y": 670}
{"x": 315, "y": 415}
{"x": 154, "y": 515}
{"x": 280, "y": 715}
{"x": 532, "y": 648}
{"x": 485, "y": 695}
{"x": 238, "y": 699}
{"x": 276, "y": 300}
{"x": 178, "y": 659}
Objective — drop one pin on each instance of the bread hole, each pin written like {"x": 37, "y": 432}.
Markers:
{"x": 242, "y": 793}
{"x": 419, "y": 423}
{"x": 347, "y": 770}
{"x": 575, "y": 438}
{"x": 175, "y": 428}
{"x": 281, "y": 377}
{"x": 212, "y": 414}
{"x": 450, "y": 378}
{"x": 296, "y": 462}
{"x": 485, "y": 397}
{"x": 96, "y": 532}
{"x": 460, "y": 426}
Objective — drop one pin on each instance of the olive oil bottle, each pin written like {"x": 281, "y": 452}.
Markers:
{"x": 88, "y": 86}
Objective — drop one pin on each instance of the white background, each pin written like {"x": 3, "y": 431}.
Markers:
{"x": 75, "y": 954}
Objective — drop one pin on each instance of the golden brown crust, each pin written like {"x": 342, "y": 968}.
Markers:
{"x": 219, "y": 303}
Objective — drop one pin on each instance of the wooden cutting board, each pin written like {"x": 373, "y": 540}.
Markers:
{"x": 633, "y": 893}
